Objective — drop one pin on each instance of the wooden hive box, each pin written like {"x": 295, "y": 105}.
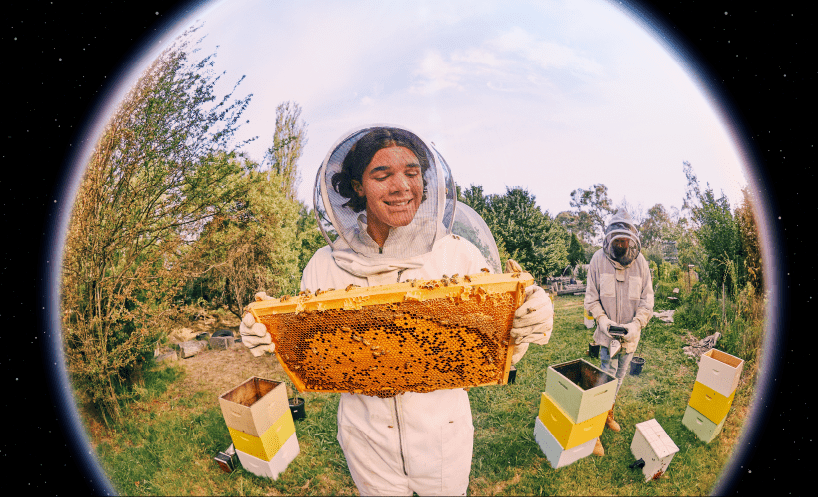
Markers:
{"x": 568, "y": 433}
{"x": 720, "y": 371}
{"x": 705, "y": 429}
{"x": 384, "y": 340}
{"x": 558, "y": 456}
{"x": 654, "y": 446}
{"x": 710, "y": 403}
{"x": 581, "y": 389}
{"x": 254, "y": 406}
{"x": 276, "y": 465}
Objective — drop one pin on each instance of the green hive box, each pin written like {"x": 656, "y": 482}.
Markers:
{"x": 698, "y": 423}
{"x": 580, "y": 389}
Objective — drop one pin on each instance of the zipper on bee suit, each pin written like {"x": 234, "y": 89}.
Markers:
{"x": 400, "y": 434}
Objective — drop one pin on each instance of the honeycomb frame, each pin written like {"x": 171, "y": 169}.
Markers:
{"x": 415, "y": 336}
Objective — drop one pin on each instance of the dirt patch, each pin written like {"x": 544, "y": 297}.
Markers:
{"x": 204, "y": 322}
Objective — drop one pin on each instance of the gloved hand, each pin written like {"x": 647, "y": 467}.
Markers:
{"x": 534, "y": 320}
{"x": 604, "y": 324}
{"x": 519, "y": 352}
{"x": 254, "y": 335}
{"x": 634, "y": 332}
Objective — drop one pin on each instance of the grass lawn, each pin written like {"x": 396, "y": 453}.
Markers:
{"x": 169, "y": 438}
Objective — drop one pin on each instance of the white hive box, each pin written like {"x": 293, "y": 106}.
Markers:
{"x": 276, "y": 465}
{"x": 556, "y": 455}
{"x": 580, "y": 389}
{"x": 654, "y": 446}
{"x": 254, "y": 406}
{"x": 699, "y": 424}
{"x": 720, "y": 371}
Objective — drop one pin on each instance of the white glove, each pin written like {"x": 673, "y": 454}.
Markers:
{"x": 519, "y": 352}
{"x": 604, "y": 324}
{"x": 534, "y": 320}
{"x": 634, "y": 332}
{"x": 254, "y": 335}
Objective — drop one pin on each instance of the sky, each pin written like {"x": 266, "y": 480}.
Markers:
{"x": 552, "y": 96}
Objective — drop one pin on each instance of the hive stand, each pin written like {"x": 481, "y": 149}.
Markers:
{"x": 261, "y": 426}
{"x": 712, "y": 394}
{"x": 654, "y": 446}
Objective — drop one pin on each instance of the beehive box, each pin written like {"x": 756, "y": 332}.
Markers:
{"x": 266, "y": 445}
{"x": 568, "y": 433}
{"x": 581, "y": 389}
{"x": 710, "y": 402}
{"x": 702, "y": 427}
{"x": 384, "y": 340}
{"x": 556, "y": 455}
{"x": 654, "y": 446}
{"x": 254, "y": 406}
{"x": 276, "y": 465}
{"x": 720, "y": 371}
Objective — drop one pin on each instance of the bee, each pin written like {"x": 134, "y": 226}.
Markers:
{"x": 366, "y": 342}
{"x": 529, "y": 310}
{"x": 467, "y": 278}
{"x": 346, "y": 328}
{"x": 373, "y": 368}
{"x": 485, "y": 269}
{"x": 318, "y": 292}
{"x": 314, "y": 350}
{"x": 305, "y": 292}
{"x": 375, "y": 347}
{"x": 444, "y": 322}
{"x": 515, "y": 275}
{"x": 445, "y": 277}
{"x": 413, "y": 282}
{"x": 456, "y": 237}
{"x": 284, "y": 298}
{"x": 356, "y": 338}
{"x": 331, "y": 290}
{"x": 351, "y": 286}
{"x": 296, "y": 366}
{"x": 445, "y": 281}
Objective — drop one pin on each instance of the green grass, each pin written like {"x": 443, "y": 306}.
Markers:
{"x": 167, "y": 443}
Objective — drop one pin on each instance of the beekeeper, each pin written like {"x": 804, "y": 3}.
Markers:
{"x": 385, "y": 201}
{"x": 619, "y": 292}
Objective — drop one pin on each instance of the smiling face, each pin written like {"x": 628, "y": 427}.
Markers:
{"x": 392, "y": 184}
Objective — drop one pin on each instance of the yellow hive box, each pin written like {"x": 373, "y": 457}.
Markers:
{"x": 384, "y": 340}
{"x": 710, "y": 403}
{"x": 568, "y": 433}
{"x": 265, "y": 446}
{"x": 254, "y": 406}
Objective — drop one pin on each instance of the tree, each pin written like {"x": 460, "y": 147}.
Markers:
{"x": 575, "y": 253}
{"x": 164, "y": 165}
{"x": 579, "y": 223}
{"x": 289, "y": 139}
{"x": 521, "y": 229}
{"x": 655, "y": 226}
{"x": 748, "y": 231}
{"x": 598, "y": 206}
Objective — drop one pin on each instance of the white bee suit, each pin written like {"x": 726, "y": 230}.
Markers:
{"x": 412, "y": 442}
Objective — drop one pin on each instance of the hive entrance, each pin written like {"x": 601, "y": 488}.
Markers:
{"x": 398, "y": 338}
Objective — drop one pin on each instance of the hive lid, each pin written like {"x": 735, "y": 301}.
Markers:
{"x": 384, "y": 340}
{"x": 655, "y": 435}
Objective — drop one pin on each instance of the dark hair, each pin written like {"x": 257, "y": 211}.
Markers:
{"x": 361, "y": 154}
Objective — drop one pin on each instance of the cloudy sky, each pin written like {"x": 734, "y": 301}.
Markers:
{"x": 552, "y": 96}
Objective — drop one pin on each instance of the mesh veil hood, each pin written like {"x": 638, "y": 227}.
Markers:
{"x": 622, "y": 226}
{"x": 344, "y": 229}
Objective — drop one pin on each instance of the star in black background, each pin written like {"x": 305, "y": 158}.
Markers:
{"x": 60, "y": 58}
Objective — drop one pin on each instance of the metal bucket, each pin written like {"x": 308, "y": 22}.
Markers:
{"x": 593, "y": 349}
{"x": 636, "y": 365}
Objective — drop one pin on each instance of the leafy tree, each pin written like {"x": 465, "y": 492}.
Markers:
{"x": 596, "y": 204}
{"x": 289, "y": 139}
{"x": 748, "y": 230}
{"x": 525, "y": 233}
{"x": 654, "y": 228}
{"x": 575, "y": 253}
{"x": 164, "y": 165}
{"x": 579, "y": 223}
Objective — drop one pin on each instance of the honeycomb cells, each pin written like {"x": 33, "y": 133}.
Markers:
{"x": 389, "y": 348}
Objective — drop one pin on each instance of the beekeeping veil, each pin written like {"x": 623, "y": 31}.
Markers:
{"x": 345, "y": 230}
{"x": 472, "y": 227}
{"x": 622, "y": 227}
